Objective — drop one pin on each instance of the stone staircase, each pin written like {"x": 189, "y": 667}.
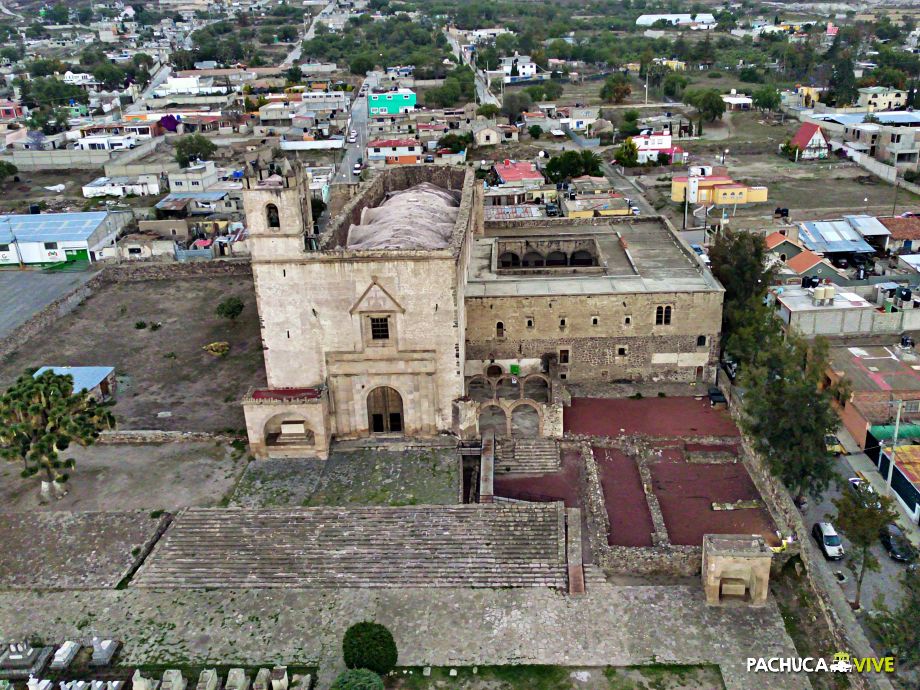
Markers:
{"x": 594, "y": 576}
{"x": 473, "y": 545}
{"x": 527, "y": 456}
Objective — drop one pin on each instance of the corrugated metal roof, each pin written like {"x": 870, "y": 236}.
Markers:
{"x": 867, "y": 226}
{"x": 833, "y": 236}
{"x": 50, "y": 227}
{"x": 84, "y": 378}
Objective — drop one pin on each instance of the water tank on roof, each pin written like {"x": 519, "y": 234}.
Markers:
{"x": 815, "y": 281}
{"x": 806, "y": 282}
{"x": 903, "y": 293}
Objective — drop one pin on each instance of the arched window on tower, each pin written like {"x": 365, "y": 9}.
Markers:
{"x": 271, "y": 216}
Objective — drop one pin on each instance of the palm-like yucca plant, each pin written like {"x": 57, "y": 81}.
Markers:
{"x": 40, "y": 417}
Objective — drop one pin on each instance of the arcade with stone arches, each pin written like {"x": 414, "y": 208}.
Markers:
{"x": 511, "y": 406}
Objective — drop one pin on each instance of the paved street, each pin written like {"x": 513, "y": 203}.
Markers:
{"x": 887, "y": 582}
{"x": 352, "y": 152}
{"x": 29, "y": 291}
{"x": 483, "y": 95}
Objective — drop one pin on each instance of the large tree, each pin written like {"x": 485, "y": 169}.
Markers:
{"x": 788, "y": 409}
{"x": 861, "y": 515}
{"x": 194, "y": 147}
{"x": 627, "y": 154}
{"x": 616, "y": 88}
{"x": 897, "y": 629}
{"x": 708, "y": 102}
{"x": 739, "y": 261}
{"x": 766, "y": 98}
{"x": 40, "y": 417}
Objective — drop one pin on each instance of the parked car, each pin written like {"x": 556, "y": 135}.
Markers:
{"x": 701, "y": 253}
{"x": 357, "y": 169}
{"x": 858, "y": 484}
{"x": 833, "y": 445}
{"x": 828, "y": 541}
{"x": 635, "y": 210}
{"x": 352, "y": 138}
{"x": 896, "y": 544}
{"x": 552, "y": 211}
{"x": 716, "y": 397}
{"x": 429, "y": 158}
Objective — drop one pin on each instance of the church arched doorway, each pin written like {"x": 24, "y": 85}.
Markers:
{"x": 385, "y": 411}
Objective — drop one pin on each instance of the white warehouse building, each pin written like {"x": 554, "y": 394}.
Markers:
{"x": 53, "y": 238}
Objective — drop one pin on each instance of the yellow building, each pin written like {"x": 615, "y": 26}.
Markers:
{"x": 718, "y": 189}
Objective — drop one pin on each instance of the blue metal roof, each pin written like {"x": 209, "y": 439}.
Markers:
{"x": 50, "y": 227}
{"x": 833, "y": 237}
{"x": 84, "y": 378}
{"x": 885, "y": 118}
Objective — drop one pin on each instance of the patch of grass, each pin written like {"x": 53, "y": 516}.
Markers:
{"x": 154, "y": 514}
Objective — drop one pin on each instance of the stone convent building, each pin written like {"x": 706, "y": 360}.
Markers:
{"x": 411, "y": 316}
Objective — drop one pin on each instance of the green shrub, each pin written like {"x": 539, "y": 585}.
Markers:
{"x": 714, "y": 75}
{"x": 140, "y": 325}
{"x": 358, "y": 679}
{"x": 369, "y": 645}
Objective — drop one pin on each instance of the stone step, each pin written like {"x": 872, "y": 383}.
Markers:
{"x": 472, "y": 545}
{"x": 527, "y": 456}
{"x": 594, "y": 575}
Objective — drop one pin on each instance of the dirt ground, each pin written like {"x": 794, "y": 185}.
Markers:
{"x": 165, "y": 379}
{"x": 133, "y": 477}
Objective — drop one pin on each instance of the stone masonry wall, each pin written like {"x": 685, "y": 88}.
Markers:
{"x": 609, "y": 337}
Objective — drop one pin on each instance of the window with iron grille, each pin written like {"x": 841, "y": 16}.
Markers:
{"x": 380, "y": 328}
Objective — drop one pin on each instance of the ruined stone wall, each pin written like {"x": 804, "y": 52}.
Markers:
{"x": 373, "y": 192}
{"x": 609, "y": 337}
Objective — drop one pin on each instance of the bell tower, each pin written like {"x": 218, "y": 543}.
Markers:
{"x": 276, "y": 200}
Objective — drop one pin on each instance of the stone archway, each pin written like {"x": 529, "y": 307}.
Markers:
{"x": 507, "y": 388}
{"x": 493, "y": 418}
{"x": 493, "y": 371}
{"x": 287, "y": 429}
{"x": 525, "y": 421}
{"x": 536, "y": 387}
{"x": 479, "y": 389}
{"x": 385, "y": 411}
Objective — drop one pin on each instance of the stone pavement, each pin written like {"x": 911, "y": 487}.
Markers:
{"x": 51, "y": 550}
{"x": 610, "y": 625}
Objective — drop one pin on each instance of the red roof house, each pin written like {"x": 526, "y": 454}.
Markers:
{"x": 811, "y": 141}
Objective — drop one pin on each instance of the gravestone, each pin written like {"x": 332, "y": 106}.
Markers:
{"x": 207, "y": 680}
{"x": 263, "y": 680}
{"x": 138, "y": 682}
{"x": 36, "y": 684}
{"x": 172, "y": 680}
{"x": 20, "y": 660}
{"x": 279, "y": 678}
{"x": 237, "y": 680}
{"x": 103, "y": 651}
{"x": 64, "y": 655}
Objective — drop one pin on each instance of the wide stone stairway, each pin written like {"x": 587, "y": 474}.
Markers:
{"x": 472, "y": 545}
{"x": 526, "y": 456}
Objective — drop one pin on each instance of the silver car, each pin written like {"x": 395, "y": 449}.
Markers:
{"x": 828, "y": 541}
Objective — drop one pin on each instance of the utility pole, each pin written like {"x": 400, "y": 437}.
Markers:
{"x": 894, "y": 447}
{"x": 894, "y": 203}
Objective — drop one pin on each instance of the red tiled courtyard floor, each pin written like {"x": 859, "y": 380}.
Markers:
{"x": 630, "y": 520}
{"x": 656, "y": 417}
{"x": 686, "y": 492}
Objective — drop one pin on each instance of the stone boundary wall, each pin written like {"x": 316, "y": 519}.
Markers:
{"x": 116, "y": 273}
{"x": 670, "y": 560}
{"x": 142, "y": 436}
{"x": 838, "y": 615}
{"x": 163, "y": 524}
